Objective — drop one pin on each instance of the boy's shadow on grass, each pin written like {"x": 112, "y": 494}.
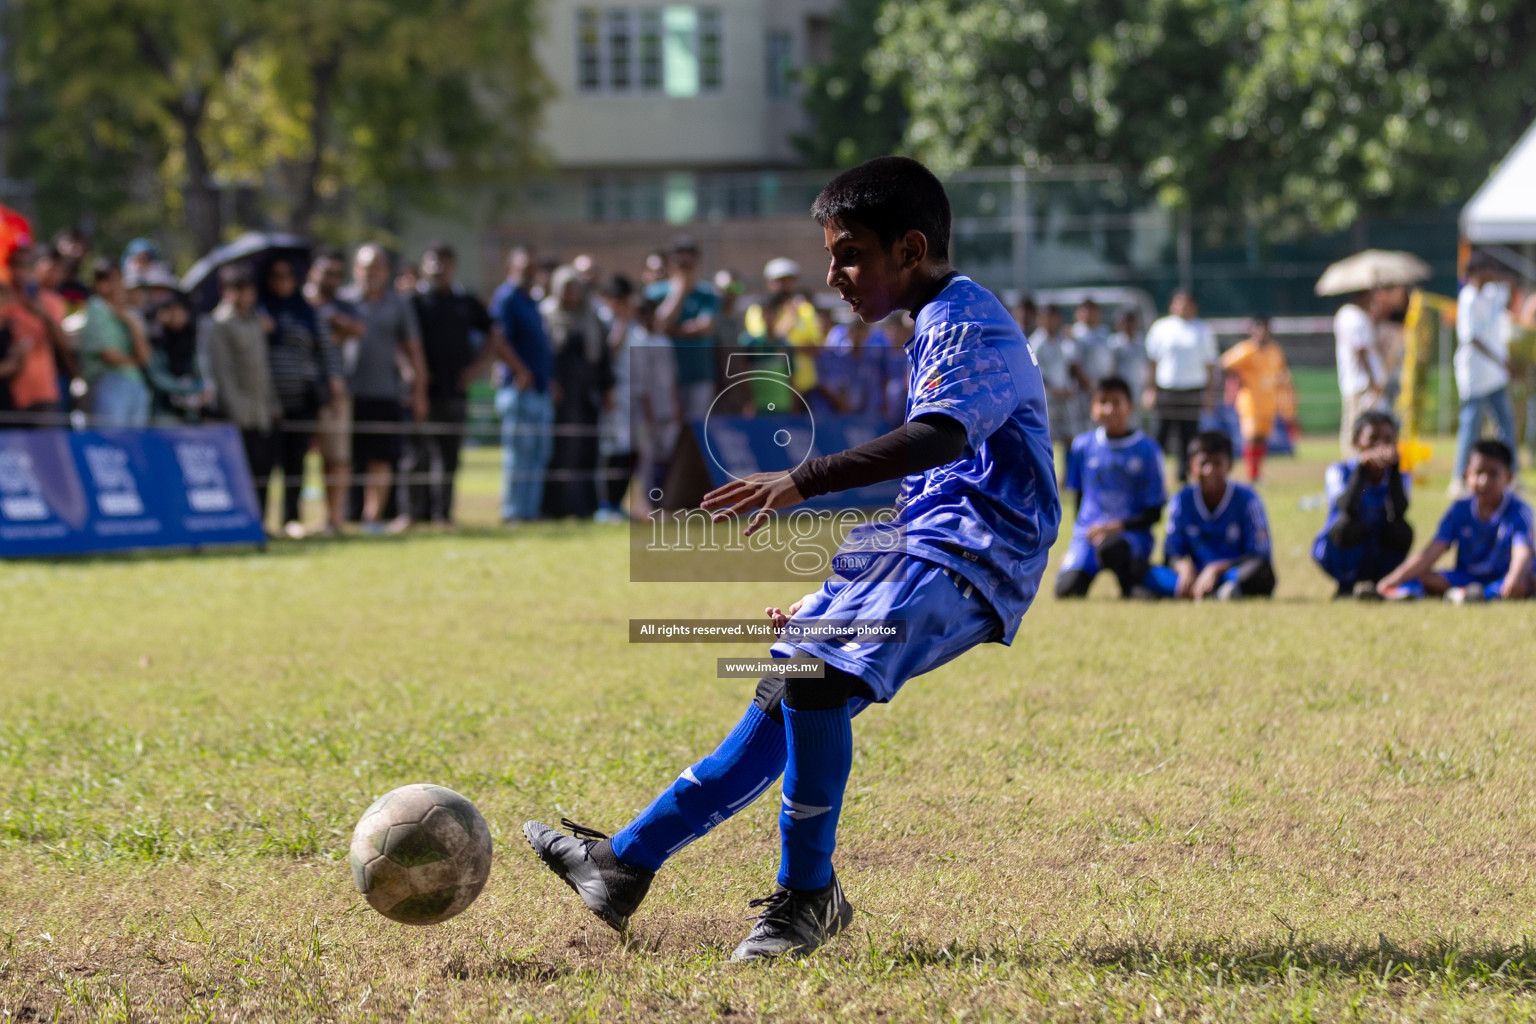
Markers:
{"x": 1438, "y": 959}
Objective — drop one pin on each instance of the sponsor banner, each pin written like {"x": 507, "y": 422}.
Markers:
{"x": 82, "y": 492}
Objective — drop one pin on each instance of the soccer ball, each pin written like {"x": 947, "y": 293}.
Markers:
{"x": 421, "y": 854}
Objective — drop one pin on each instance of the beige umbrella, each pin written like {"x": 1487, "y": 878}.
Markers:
{"x": 1373, "y": 268}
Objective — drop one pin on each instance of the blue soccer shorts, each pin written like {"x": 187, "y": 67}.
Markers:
{"x": 944, "y": 614}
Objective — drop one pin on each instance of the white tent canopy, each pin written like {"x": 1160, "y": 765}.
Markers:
{"x": 1504, "y": 210}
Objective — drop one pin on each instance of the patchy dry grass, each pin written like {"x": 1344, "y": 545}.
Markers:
{"x": 1286, "y": 811}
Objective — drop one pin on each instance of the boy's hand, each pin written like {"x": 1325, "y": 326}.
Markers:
{"x": 1207, "y": 581}
{"x": 762, "y": 491}
{"x": 1100, "y": 532}
{"x": 779, "y": 617}
{"x": 1382, "y": 456}
{"x": 1512, "y": 589}
{"x": 1186, "y": 582}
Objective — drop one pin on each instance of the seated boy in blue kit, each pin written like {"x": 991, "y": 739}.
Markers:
{"x": 1117, "y": 474}
{"x": 975, "y": 520}
{"x": 1218, "y": 537}
{"x": 1491, "y": 530}
{"x": 1366, "y": 536}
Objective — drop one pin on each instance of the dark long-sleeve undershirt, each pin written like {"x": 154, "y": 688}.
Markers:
{"x": 921, "y": 444}
{"x": 1348, "y": 530}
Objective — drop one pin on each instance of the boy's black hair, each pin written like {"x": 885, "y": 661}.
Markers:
{"x": 1498, "y": 451}
{"x": 1026, "y": 303}
{"x": 1368, "y": 419}
{"x": 1211, "y": 442}
{"x": 330, "y": 252}
{"x": 889, "y": 195}
{"x": 1119, "y": 384}
{"x": 442, "y": 250}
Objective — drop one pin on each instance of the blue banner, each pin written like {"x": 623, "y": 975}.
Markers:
{"x": 81, "y": 492}
{"x": 734, "y": 447}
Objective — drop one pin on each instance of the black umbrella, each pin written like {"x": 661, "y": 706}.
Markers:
{"x": 259, "y": 248}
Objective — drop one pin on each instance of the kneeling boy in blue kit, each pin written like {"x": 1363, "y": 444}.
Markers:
{"x": 1491, "y": 530}
{"x": 1366, "y": 536}
{"x": 1218, "y": 537}
{"x": 1117, "y": 473}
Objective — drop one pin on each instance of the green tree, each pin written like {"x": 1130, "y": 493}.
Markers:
{"x": 853, "y": 117}
{"x": 1374, "y": 106}
{"x": 297, "y": 99}
{"x": 1313, "y": 109}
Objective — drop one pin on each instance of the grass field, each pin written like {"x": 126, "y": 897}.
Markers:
{"x": 1294, "y": 810}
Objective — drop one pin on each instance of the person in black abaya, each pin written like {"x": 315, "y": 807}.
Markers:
{"x": 582, "y": 379}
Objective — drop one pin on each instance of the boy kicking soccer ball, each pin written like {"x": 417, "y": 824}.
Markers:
{"x": 1117, "y": 474}
{"x": 978, "y": 512}
{"x": 1218, "y": 537}
{"x": 1492, "y": 532}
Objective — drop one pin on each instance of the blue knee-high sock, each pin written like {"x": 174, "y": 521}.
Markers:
{"x": 746, "y": 763}
{"x": 815, "y": 775}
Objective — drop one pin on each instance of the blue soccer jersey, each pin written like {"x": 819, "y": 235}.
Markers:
{"x": 992, "y": 515}
{"x": 1484, "y": 546}
{"x": 1118, "y": 477}
{"x": 1235, "y": 528}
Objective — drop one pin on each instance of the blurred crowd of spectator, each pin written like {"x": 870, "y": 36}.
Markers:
{"x": 595, "y": 374}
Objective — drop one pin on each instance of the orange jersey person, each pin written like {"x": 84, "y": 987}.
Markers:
{"x": 1264, "y": 390}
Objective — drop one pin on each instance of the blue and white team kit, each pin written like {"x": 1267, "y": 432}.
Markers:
{"x": 1235, "y": 529}
{"x": 1118, "y": 478}
{"x": 1485, "y": 547}
{"x": 1368, "y": 560}
{"x": 976, "y": 532}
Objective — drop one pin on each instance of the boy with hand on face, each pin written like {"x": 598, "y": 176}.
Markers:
{"x": 1366, "y": 536}
{"x": 1491, "y": 530}
{"x": 1117, "y": 473}
{"x": 1218, "y": 536}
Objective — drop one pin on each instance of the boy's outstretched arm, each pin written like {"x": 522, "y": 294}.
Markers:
{"x": 930, "y": 440}
{"x": 1517, "y": 581}
{"x": 1416, "y": 566}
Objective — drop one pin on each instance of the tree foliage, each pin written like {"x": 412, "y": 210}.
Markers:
{"x": 1317, "y": 109}
{"x": 295, "y": 100}
{"x": 853, "y": 117}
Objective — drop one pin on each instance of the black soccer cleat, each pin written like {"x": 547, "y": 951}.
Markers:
{"x": 795, "y": 922}
{"x": 585, "y": 861}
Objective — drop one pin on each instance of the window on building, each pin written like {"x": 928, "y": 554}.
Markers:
{"x": 620, "y": 51}
{"x": 711, "y": 72}
{"x": 818, "y": 40}
{"x": 780, "y": 63}
{"x": 676, "y": 49}
{"x": 589, "y": 65}
{"x": 650, "y": 49}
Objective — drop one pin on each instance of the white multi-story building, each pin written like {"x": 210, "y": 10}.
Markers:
{"x": 663, "y": 87}
{"x": 667, "y": 118}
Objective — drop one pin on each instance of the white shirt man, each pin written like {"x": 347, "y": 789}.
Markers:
{"x": 1182, "y": 358}
{"x": 1361, "y": 375}
{"x": 1482, "y": 341}
{"x": 1184, "y": 350}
